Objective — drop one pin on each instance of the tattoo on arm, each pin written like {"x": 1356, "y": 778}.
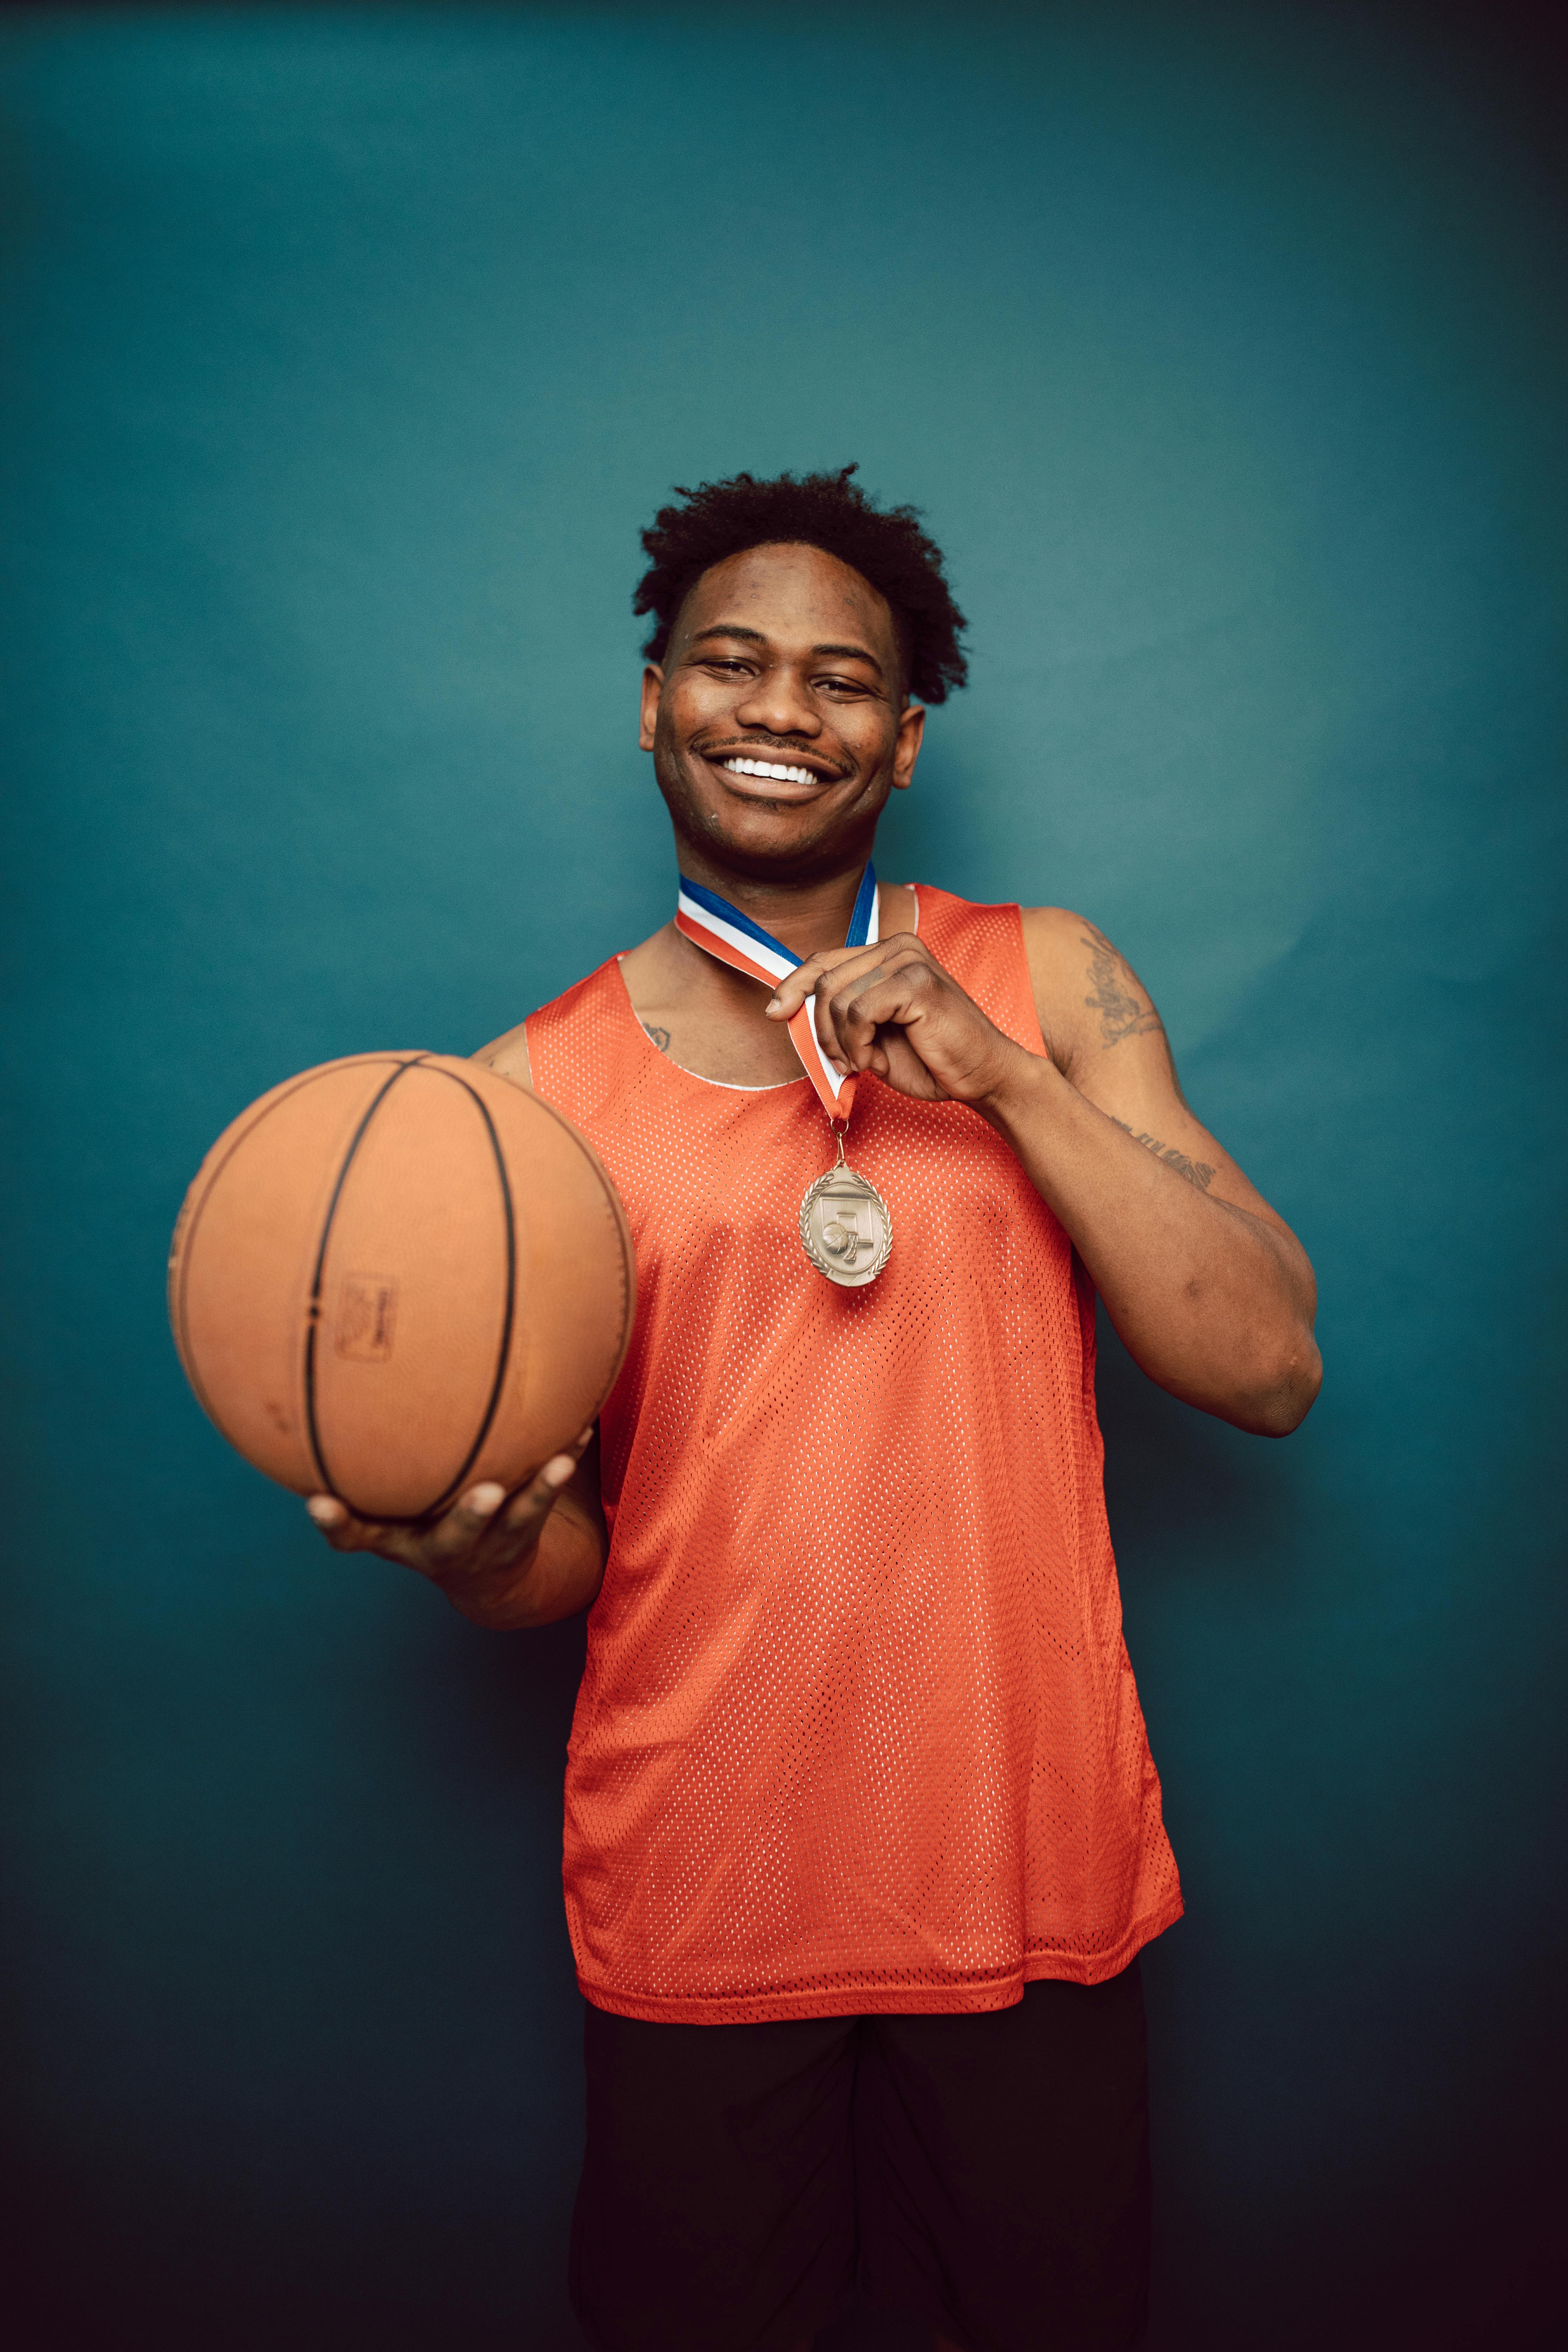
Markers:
{"x": 1121, "y": 1013}
{"x": 660, "y": 1036}
{"x": 1196, "y": 1171}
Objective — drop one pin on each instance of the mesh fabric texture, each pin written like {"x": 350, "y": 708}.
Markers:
{"x": 857, "y": 1729}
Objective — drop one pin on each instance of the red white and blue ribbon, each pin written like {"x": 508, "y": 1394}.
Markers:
{"x": 711, "y": 922}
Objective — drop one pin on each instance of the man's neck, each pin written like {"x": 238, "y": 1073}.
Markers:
{"x": 803, "y": 914}
{"x": 707, "y": 1016}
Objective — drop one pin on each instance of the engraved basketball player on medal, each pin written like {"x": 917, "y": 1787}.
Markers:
{"x": 846, "y": 1227}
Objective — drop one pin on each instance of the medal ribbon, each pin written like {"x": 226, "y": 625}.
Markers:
{"x": 711, "y": 922}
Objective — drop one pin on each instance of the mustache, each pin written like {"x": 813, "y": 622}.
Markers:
{"x": 781, "y": 746}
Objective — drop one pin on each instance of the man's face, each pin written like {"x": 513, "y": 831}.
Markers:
{"x": 781, "y": 658}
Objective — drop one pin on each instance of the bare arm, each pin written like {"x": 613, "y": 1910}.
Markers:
{"x": 1208, "y": 1287}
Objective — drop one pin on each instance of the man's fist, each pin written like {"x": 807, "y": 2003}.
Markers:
{"x": 891, "y": 1009}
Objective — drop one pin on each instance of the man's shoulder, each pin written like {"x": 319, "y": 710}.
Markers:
{"x": 1048, "y": 932}
{"x": 1087, "y": 995}
{"x": 1054, "y": 929}
{"x": 1059, "y": 944}
{"x": 508, "y": 1053}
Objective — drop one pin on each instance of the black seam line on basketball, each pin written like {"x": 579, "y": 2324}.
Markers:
{"x": 608, "y": 1201}
{"x": 609, "y": 1198}
{"x": 177, "y": 1315}
{"x": 178, "y": 1319}
{"x": 454, "y": 1485}
{"x": 313, "y": 1315}
{"x": 503, "y": 1357}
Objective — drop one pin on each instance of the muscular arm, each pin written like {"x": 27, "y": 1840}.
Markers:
{"x": 1207, "y": 1287}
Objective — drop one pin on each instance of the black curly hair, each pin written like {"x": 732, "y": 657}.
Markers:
{"x": 885, "y": 545}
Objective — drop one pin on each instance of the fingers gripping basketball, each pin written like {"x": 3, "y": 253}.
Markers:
{"x": 485, "y": 1530}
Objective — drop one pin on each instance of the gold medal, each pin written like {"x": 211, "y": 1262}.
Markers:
{"x": 844, "y": 1226}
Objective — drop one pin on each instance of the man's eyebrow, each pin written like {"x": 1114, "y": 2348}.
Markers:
{"x": 756, "y": 637}
{"x": 851, "y": 653}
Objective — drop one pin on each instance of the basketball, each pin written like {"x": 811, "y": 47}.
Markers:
{"x": 397, "y": 1274}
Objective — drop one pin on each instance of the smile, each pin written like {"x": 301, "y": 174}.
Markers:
{"x": 774, "y": 770}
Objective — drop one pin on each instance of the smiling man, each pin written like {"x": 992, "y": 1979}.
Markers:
{"x": 863, "y": 1835}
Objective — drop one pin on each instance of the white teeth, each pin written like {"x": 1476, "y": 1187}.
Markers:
{"x": 770, "y": 768}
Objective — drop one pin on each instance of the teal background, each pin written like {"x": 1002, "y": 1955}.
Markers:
{"x": 345, "y": 351}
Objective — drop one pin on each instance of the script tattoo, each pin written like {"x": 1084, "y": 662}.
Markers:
{"x": 1196, "y": 1171}
{"x": 660, "y": 1036}
{"x": 1120, "y": 1015}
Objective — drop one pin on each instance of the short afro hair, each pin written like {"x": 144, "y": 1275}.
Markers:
{"x": 885, "y": 545}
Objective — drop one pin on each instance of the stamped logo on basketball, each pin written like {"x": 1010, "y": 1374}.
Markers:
{"x": 367, "y": 1308}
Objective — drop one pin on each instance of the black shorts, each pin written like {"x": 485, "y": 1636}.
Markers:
{"x": 987, "y": 2173}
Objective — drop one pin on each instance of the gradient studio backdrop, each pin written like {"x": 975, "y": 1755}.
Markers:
{"x": 346, "y": 350}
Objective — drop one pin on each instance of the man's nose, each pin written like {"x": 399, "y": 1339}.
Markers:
{"x": 779, "y": 703}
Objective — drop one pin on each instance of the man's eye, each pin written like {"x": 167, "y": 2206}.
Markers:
{"x": 843, "y": 685}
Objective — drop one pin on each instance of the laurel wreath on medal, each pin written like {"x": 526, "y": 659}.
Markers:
{"x": 837, "y": 1271}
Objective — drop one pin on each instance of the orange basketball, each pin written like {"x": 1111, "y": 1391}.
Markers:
{"x": 397, "y": 1274}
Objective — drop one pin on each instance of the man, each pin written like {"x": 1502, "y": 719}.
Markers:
{"x": 863, "y": 1836}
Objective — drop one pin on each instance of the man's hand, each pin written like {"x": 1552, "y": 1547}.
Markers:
{"x": 891, "y": 1009}
{"x": 484, "y": 1552}
{"x": 1208, "y": 1287}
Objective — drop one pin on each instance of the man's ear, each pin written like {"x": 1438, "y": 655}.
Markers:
{"x": 912, "y": 734}
{"x": 652, "y": 688}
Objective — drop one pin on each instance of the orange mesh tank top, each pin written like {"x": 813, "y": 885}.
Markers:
{"x": 857, "y": 1729}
